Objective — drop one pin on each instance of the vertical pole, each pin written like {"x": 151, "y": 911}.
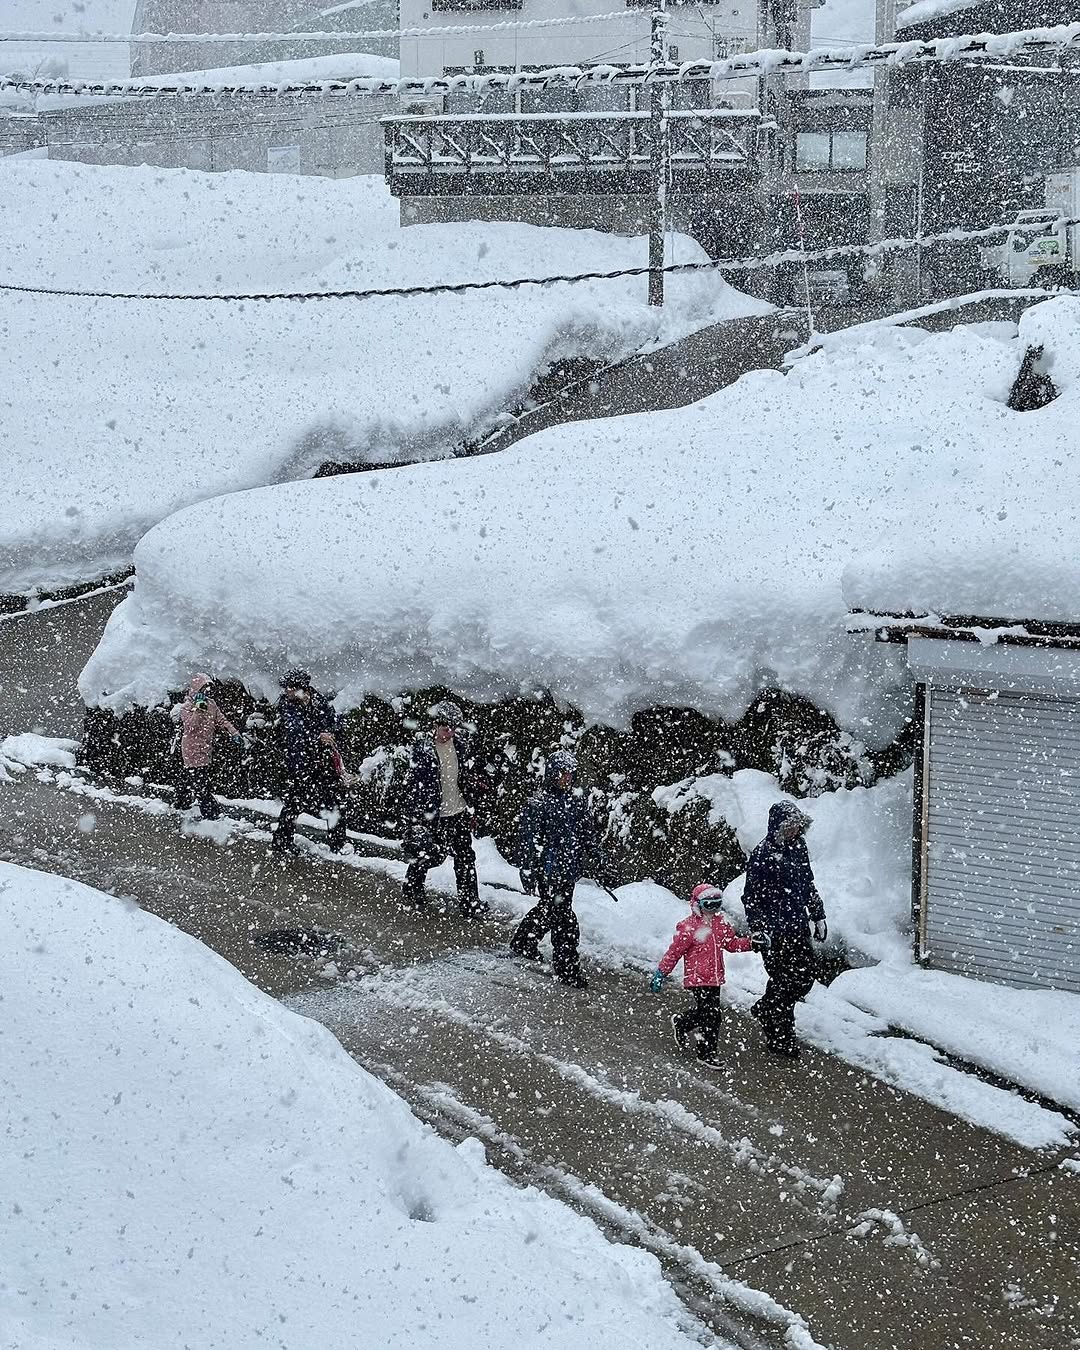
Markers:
{"x": 805, "y": 268}
{"x": 657, "y": 156}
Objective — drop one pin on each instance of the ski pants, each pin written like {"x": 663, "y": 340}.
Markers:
{"x": 702, "y": 1021}
{"x": 791, "y": 966}
{"x": 449, "y": 836}
{"x": 197, "y": 785}
{"x": 554, "y": 913}
{"x": 317, "y": 794}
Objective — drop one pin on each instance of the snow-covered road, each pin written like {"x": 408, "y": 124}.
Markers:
{"x": 796, "y": 1204}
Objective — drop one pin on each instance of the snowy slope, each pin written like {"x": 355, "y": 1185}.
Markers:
{"x": 119, "y": 412}
{"x": 682, "y": 558}
{"x": 200, "y": 1167}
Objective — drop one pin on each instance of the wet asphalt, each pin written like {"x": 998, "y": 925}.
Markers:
{"x": 763, "y": 1174}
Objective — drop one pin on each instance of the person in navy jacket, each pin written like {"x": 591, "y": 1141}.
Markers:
{"x": 306, "y": 726}
{"x": 558, "y": 844}
{"x": 781, "y": 902}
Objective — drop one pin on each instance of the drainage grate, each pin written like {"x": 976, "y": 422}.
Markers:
{"x": 313, "y": 942}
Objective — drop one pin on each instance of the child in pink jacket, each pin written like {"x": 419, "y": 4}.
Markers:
{"x": 700, "y": 943}
{"x": 200, "y": 721}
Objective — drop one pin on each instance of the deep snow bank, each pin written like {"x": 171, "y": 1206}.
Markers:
{"x": 117, "y": 412}
{"x": 197, "y": 1165}
{"x": 684, "y": 558}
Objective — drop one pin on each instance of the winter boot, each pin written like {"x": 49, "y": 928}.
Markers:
{"x": 682, "y": 1038}
{"x": 573, "y": 979}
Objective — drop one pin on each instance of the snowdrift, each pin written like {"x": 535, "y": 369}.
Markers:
{"x": 684, "y": 558}
{"x": 199, "y": 1165}
{"x": 116, "y": 413}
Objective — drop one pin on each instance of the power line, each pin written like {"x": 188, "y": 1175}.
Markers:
{"x": 340, "y": 35}
{"x": 748, "y": 264}
{"x": 759, "y": 64}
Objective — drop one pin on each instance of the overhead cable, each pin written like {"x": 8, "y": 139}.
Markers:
{"x": 340, "y": 35}
{"x": 763, "y": 63}
{"x": 749, "y": 264}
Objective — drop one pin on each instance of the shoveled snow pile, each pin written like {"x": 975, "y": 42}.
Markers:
{"x": 199, "y": 1166}
{"x": 684, "y": 558}
{"x": 117, "y": 412}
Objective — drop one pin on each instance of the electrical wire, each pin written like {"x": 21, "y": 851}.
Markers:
{"x": 341, "y": 35}
{"x": 748, "y": 264}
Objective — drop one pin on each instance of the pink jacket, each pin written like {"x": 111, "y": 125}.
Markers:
{"x": 200, "y": 726}
{"x": 700, "y": 943}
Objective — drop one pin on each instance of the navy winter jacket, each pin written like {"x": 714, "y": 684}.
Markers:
{"x": 779, "y": 895}
{"x": 299, "y": 727}
{"x": 557, "y": 837}
{"x": 423, "y": 787}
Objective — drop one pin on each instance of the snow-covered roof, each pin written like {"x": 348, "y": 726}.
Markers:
{"x": 925, "y": 10}
{"x": 343, "y": 66}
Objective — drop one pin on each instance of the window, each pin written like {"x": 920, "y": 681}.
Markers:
{"x": 817, "y": 151}
{"x": 849, "y": 149}
{"x": 446, "y": 6}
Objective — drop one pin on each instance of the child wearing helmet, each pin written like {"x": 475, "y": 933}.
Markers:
{"x": 700, "y": 942}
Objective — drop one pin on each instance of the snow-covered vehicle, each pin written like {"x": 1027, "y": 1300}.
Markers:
{"x": 1043, "y": 248}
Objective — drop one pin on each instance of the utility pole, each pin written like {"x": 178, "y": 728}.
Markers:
{"x": 658, "y": 104}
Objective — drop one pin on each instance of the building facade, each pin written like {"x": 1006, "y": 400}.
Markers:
{"x": 585, "y": 157}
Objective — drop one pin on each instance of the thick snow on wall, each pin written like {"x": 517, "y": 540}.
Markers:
{"x": 200, "y": 1166}
{"x": 118, "y": 412}
{"x": 683, "y": 558}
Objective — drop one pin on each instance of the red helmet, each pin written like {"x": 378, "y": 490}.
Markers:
{"x": 706, "y": 896}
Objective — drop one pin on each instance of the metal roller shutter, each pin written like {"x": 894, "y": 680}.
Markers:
{"x": 1002, "y": 888}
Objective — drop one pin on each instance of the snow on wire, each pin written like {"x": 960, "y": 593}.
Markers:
{"x": 128, "y": 39}
{"x": 996, "y": 46}
{"x": 749, "y": 264}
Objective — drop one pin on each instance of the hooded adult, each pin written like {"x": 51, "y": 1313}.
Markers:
{"x": 306, "y": 724}
{"x": 201, "y": 720}
{"x": 558, "y": 843}
{"x": 781, "y": 900}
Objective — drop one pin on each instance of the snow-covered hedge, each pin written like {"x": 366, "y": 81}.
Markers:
{"x": 686, "y": 558}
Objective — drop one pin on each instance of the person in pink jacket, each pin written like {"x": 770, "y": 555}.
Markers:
{"x": 200, "y": 721}
{"x": 700, "y": 942}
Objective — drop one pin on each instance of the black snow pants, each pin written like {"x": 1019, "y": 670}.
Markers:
{"x": 316, "y": 793}
{"x": 554, "y": 913}
{"x": 791, "y": 966}
{"x": 449, "y": 836}
{"x": 703, "y": 1020}
{"x": 197, "y": 785}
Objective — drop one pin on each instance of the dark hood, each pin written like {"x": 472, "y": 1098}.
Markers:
{"x": 780, "y": 812}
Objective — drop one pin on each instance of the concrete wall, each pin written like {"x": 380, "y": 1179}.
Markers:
{"x": 329, "y": 138}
